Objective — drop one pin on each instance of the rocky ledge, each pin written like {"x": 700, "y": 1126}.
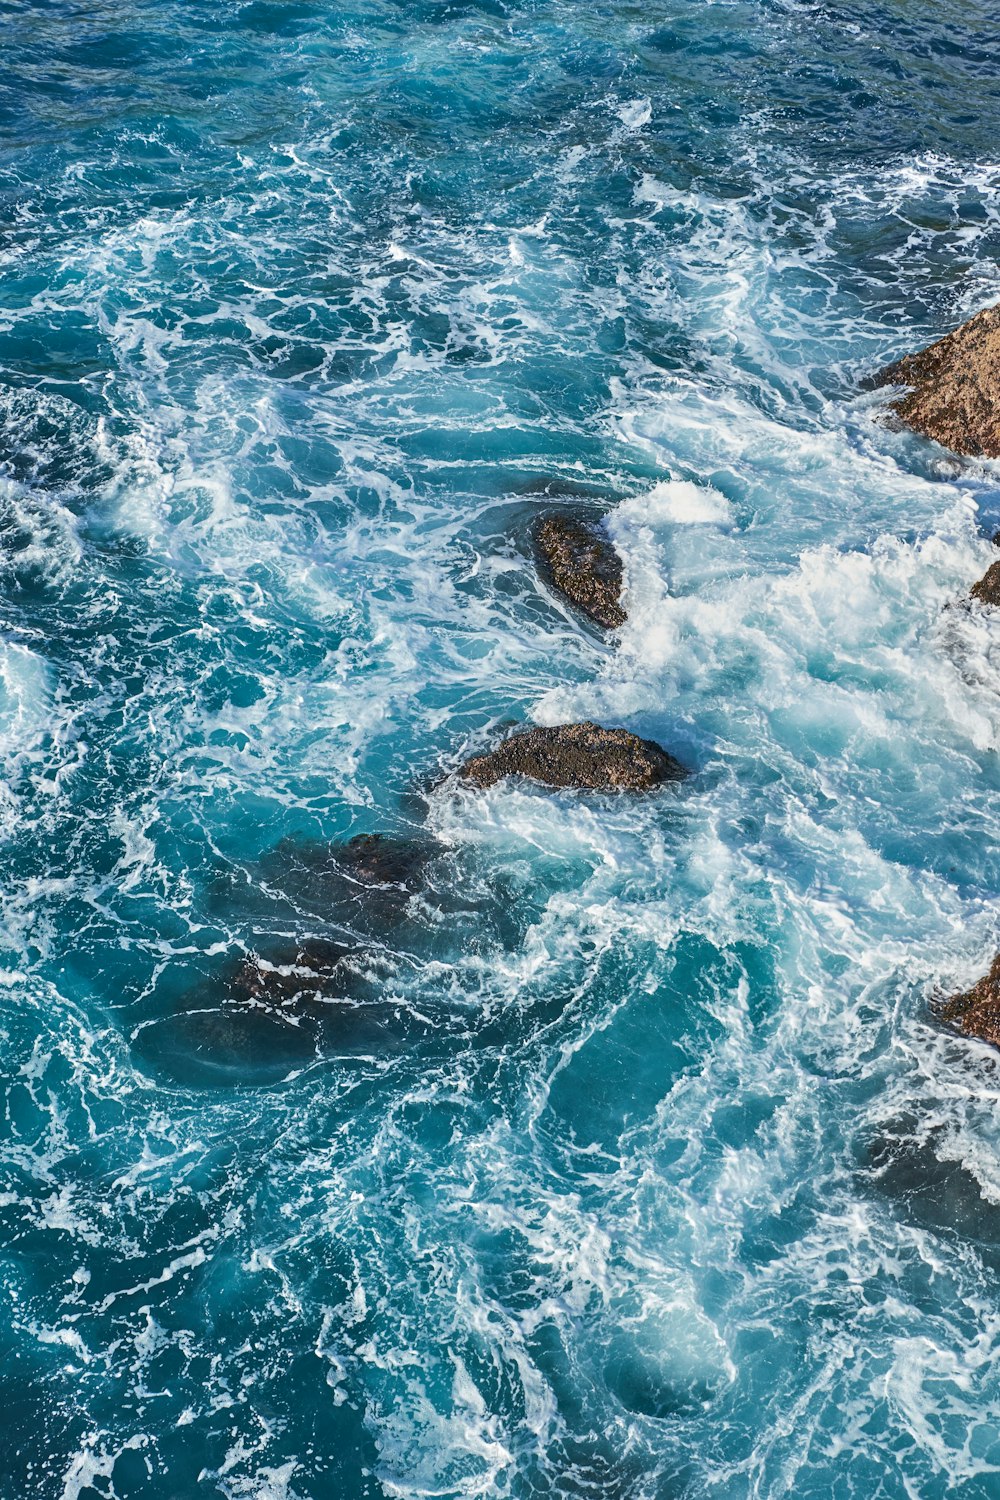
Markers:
{"x": 583, "y": 756}
{"x": 955, "y": 387}
{"x": 977, "y": 1012}
{"x": 987, "y": 590}
{"x": 579, "y": 560}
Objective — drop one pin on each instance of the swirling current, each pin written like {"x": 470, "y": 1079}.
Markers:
{"x": 629, "y": 1160}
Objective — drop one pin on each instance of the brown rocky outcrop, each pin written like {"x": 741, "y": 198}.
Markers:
{"x": 987, "y": 590}
{"x": 578, "y": 559}
{"x": 977, "y": 1012}
{"x": 955, "y": 395}
{"x": 583, "y": 756}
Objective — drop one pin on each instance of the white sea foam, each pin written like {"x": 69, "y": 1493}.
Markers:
{"x": 629, "y": 1163}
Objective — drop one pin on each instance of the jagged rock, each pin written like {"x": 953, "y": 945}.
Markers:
{"x": 584, "y": 756}
{"x": 987, "y": 590}
{"x": 955, "y": 396}
{"x": 977, "y": 1012}
{"x": 579, "y": 560}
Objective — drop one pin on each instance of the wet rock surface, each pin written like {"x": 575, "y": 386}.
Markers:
{"x": 955, "y": 395}
{"x": 977, "y": 1011}
{"x": 583, "y": 756}
{"x": 987, "y": 590}
{"x": 578, "y": 559}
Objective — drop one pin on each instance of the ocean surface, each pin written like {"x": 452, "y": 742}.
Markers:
{"x": 625, "y": 1159}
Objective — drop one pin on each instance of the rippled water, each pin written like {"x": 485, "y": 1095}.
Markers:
{"x": 627, "y": 1160}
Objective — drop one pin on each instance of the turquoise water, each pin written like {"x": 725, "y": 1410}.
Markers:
{"x": 627, "y": 1161}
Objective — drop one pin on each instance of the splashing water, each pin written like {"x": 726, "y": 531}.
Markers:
{"x": 627, "y": 1160}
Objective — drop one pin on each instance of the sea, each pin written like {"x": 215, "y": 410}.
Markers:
{"x": 623, "y": 1155}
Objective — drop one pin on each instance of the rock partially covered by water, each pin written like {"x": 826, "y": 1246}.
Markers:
{"x": 376, "y": 859}
{"x": 987, "y": 590}
{"x": 955, "y": 396}
{"x": 291, "y": 975}
{"x": 579, "y": 560}
{"x": 366, "y": 882}
{"x": 583, "y": 756}
{"x": 977, "y": 1012}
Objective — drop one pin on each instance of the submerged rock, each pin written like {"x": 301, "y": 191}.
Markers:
{"x": 911, "y": 1162}
{"x": 581, "y": 563}
{"x": 366, "y": 882}
{"x": 977, "y": 1011}
{"x": 376, "y": 859}
{"x": 288, "y": 978}
{"x": 273, "y": 1012}
{"x": 229, "y": 1044}
{"x": 987, "y": 590}
{"x": 584, "y": 756}
{"x": 955, "y": 396}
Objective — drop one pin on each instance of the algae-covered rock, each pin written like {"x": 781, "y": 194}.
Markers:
{"x": 987, "y": 590}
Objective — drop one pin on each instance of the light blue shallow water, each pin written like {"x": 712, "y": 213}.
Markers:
{"x": 630, "y": 1162}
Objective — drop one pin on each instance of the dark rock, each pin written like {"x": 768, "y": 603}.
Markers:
{"x": 977, "y": 1011}
{"x": 375, "y": 859}
{"x": 290, "y": 977}
{"x": 987, "y": 590}
{"x": 576, "y": 755}
{"x": 912, "y": 1164}
{"x": 367, "y": 881}
{"x": 579, "y": 560}
{"x": 955, "y": 395}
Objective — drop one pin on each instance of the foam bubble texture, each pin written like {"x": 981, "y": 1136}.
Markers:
{"x": 620, "y": 1156}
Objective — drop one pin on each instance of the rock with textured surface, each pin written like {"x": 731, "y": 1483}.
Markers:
{"x": 583, "y": 756}
{"x": 977, "y": 1012}
{"x": 579, "y": 560}
{"x": 987, "y": 590}
{"x": 955, "y": 395}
